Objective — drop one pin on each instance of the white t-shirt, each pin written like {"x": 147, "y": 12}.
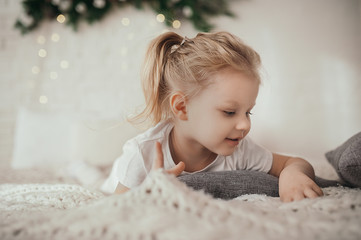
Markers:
{"x": 132, "y": 167}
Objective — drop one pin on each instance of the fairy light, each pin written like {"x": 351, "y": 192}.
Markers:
{"x": 42, "y": 53}
{"x": 160, "y": 18}
{"x": 55, "y": 37}
{"x": 64, "y": 64}
{"x": 61, "y": 18}
{"x": 53, "y": 75}
{"x": 176, "y": 24}
{"x": 187, "y": 11}
{"x": 124, "y": 66}
{"x": 80, "y": 7}
{"x": 125, "y": 21}
{"x": 99, "y": 3}
{"x": 35, "y": 70}
{"x": 124, "y": 51}
{"x": 43, "y": 99}
{"x": 41, "y": 39}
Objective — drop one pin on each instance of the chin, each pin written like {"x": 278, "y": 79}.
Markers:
{"x": 225, "y": 152}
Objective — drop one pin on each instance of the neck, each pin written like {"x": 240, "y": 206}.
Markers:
{"x": 183, "y": 149}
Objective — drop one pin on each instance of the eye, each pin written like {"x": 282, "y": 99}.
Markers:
{"x": 249, "y": 113}
{"x": 229, "y": 113}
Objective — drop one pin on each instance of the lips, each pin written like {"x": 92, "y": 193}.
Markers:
{"x": 233, "y": 141}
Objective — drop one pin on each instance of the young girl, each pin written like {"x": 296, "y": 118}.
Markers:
{"x": 199, "y": 96}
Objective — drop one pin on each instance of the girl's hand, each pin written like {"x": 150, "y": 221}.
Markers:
{"x": 159, "y": 162}
{"x": 295, "y": 185}
{"x": 295, "y": 178}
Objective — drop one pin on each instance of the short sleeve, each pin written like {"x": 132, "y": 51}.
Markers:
{"x": 254, "y": 157}
{"x": 128, "y": 169}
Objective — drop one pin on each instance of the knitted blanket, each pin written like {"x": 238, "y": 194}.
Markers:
{"x": 164, "y": 208}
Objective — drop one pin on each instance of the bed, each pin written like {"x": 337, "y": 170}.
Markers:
{"x": 39, "y": 204}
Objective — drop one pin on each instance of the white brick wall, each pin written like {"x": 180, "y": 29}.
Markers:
{"x": 310, "y": 101}
{"x": 102, "y": 77}
{"x": 8, "y": 99}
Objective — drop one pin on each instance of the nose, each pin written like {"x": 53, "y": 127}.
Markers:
{"x": 243, "y": 124}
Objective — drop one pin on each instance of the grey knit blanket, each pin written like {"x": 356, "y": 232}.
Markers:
{"x": 164, "y": 208}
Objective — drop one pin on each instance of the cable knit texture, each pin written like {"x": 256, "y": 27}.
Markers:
{"x": 164, "y": 208}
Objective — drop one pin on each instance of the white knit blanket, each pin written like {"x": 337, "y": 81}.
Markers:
{"x": 164, "y": 208}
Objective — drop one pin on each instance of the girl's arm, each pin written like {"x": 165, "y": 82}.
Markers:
{"x": 158, "y": 163}
{"x": 296, "y": 178}
{"x": 121, "y": 189}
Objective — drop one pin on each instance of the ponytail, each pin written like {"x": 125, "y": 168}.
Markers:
{"x": 187, "y": 65}
{"x": 155, "y": 87}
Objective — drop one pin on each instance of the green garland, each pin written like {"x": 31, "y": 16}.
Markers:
{"x": 196, "y": 11}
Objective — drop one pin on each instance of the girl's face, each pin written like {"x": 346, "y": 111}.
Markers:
{"x": 219, "y": 116}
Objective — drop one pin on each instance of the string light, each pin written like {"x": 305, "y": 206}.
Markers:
{"x": 80, "y": 7}
{"x": 176, "y": 24}
{"x": 71, "y": 12}
{"x": 61, "y": 18}
{"x": 123, "y": 51}
{"x": 187, "y": 11}
{"x": 65, "y": 5}
{"x": 64, "y": 64}
{"x": 41, "y": 39}
{"x": 125, "y": 21}
{"x": 53, "y": 75}
{"x": 160, "y": 18}
{"x": 55, "y": 37}
{"x": 43, "y": 99}
{"x": 35, "y": 70}
{"x": 42, "y": 53}
{"x": 99, "y": 3}
{"x": 124, "y": 66}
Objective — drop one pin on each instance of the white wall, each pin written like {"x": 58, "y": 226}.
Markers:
{"x": 309, "y": 102}
{"x": 311, "y": 52}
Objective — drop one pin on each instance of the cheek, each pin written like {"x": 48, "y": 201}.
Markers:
{"x": 217, "y": 128}
{"x": 207, "y": 125}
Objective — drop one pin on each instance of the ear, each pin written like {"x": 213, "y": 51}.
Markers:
{"x": 178, "y": 104}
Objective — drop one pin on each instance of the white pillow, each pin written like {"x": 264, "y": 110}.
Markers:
{"x": 100, "y": 142}
{"x": 49, "y": 139}
{"x": 42, "y": 139}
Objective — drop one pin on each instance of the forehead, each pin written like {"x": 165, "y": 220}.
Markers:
{"x": 232, "y": 87}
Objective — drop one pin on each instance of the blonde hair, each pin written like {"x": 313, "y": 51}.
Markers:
{"x": 174, "y": 63}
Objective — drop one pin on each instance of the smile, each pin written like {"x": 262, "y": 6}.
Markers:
{"x": 232, "y": 141}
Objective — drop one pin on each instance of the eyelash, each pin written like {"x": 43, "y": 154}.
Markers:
{"x": 228, "y": 113}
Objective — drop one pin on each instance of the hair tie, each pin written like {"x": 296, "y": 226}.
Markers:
{"x": 184, "y": 40}
{"x": 175, "y": 47}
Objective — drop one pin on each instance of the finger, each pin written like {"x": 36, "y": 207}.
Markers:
{"x": 177, "y": 170}
{"x": 298, "y": 196}
{"x": 310, "y": 193}
{"x": 317, "y": 190}
{"x": 286, "y": 199}
{"x": 159, "y": 162}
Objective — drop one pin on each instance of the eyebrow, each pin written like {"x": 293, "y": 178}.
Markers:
{"x": 231, "y": 103}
